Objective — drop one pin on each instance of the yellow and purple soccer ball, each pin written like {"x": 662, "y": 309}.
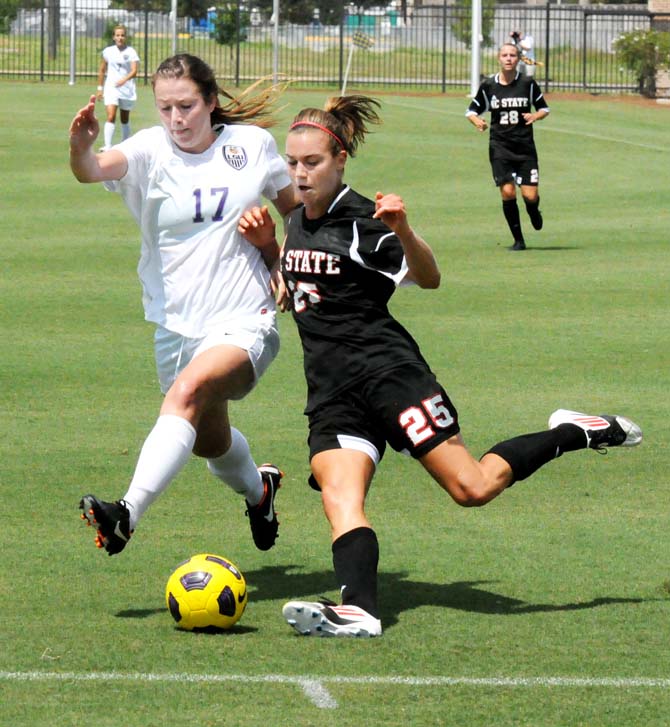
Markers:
{"x": 206, "y": 592}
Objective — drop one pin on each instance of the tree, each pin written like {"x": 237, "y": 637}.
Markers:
{"x": 230, "y": 25}
{"x": 9, "y": 10}
{"x": 645, "y": 52}
{"x": 196, "y": 9}
{"x": 302, "y": 11}
{"x": 461, "y": 23}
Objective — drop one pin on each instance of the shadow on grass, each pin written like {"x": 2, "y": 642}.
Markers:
{"x": 551, "y": 248}
{"x": 398, "y": 594}
{"x": 544, "y": 248}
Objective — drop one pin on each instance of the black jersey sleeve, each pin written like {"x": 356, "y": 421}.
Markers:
{"x": 480, "y": 103}
{"x": 376, "y": 247}
{"x": 537, "y": 97}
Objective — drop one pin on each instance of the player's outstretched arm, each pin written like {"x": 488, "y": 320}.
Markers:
{"x": 423, "y": 269}
{"x": 85, "y": 164}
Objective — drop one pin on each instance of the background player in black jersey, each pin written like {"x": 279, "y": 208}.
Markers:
{"x": 368, "y": 384}
{"x": 510, "y": 97}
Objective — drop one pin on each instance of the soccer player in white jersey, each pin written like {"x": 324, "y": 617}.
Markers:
{"x": 367, "y": 381}
{"x": 205, "y": 287}
{"x": 118, "y": 68}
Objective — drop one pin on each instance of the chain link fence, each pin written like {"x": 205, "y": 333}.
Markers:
{"x": 426, "y": 51}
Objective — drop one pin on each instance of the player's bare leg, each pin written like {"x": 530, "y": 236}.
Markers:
{"x": 470, "y": 483}
{"x": 344, "y": 476}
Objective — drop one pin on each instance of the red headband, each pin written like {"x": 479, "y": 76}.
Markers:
{"x": 318, "y": 126}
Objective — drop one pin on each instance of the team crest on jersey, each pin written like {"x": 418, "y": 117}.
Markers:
{"x": 235, "y": 156}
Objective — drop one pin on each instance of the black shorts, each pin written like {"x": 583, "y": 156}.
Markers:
{"x": 523, "y": 171}
{"x": 405, "y": 407}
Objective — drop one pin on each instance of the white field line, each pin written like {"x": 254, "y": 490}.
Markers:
{"x": 316, "y": 691}
{"x": 545, "y": 128}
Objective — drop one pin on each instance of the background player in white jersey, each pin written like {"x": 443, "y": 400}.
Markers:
{"x": 118, "y": 67}
{"x": 368, "y": 384}
{"x": 204, "y": 286}
{"x": 510, "y": 97}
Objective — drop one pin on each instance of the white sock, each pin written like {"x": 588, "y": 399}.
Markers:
{"x": 238, "y": 470}
{"x": 108, "y": 132}
{"x": 125, "y": 131}
{"x": 165, "y": 452}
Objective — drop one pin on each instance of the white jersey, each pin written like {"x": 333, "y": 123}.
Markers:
{"x": 197, "y": 271}
{"x": 119, "y": 65}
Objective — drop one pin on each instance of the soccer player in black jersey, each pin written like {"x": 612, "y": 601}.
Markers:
{"x": 368, "y": 384}
{"x": 510, "y": 97}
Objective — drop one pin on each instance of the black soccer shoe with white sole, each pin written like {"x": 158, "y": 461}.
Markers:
{"x": 601, "y": 430}
{"x": 262, "y": 517}
{"x": 324, "y": 619}
{"x": 112, "y": 521}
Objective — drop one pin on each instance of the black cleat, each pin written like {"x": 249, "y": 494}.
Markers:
{"x": 111, "y": 519}
{"x": 518, "y": 245}
{"x": 601, "y": 430}
{"x": 262, "y": 517}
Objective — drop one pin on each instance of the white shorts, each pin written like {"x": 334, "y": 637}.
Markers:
{"x": 260, "y": 339}
{"x": 112, "y": 98}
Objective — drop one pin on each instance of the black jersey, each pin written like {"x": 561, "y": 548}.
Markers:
{"x": 511, "y": 137}
{"x": 341, "y": 271}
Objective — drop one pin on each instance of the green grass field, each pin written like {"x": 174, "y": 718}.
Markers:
{"x": 550, "y": 606}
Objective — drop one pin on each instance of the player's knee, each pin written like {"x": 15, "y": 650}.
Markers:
{"x": 333, "y": 496}
{"x": 186, "y": 395}
{"x": 471, "y": 498}
{"x": 469, "y": 492}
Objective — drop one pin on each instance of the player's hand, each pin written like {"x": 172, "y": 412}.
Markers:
{"x": 84, "y": 128}
{"x": 390, "y": 209}
{"x": 480, "y": 123}
{"x": 257, "y": 227}
{"x": 529, "y": 118}
{"x": 280, "y": 289}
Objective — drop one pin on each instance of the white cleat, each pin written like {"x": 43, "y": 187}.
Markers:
{"x": 602, "y": 430}
{"x": 310, "y": 618}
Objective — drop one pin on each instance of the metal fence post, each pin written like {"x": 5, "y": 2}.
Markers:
{"x": 584, "y": 21}
{"x": 444, "y": 46}
{"x": 73, "y": 41}
{"x": 340, "y": 79}
{"x": 42, "y": 41}
{"x": 146, "y": 42}
{"x": 547, "y": 53}
{"x": 238, "y": 30}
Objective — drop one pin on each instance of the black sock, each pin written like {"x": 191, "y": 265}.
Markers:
{"x": 533, "y": 210}
{"x": 527, "y": 453}
{"x": 531, "y": 206}
{"x": 355, "y": 559}
{"x": 511, "y": 212}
